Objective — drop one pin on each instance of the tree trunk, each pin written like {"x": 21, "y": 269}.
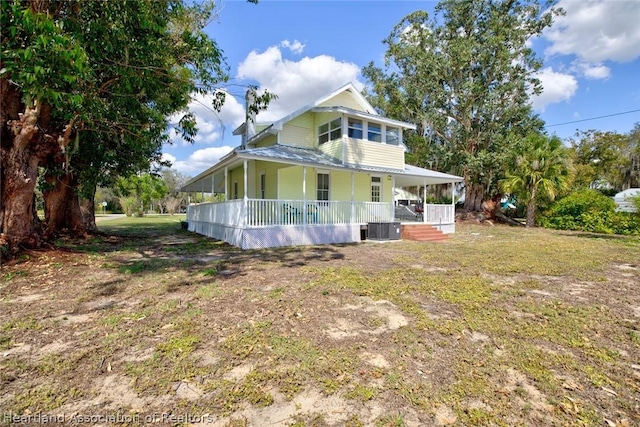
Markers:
{"x": 473, "y": 197}
{"x": 62, "y": 210}
{"x": 531, "y": 209}
{"x": 19, "y": 227}
{"x": 88, "y": 209}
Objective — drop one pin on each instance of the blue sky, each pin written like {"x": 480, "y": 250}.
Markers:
{"x": 301, "y": 50}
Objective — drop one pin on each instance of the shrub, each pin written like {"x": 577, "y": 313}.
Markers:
{"x": 589, "y": 210}
{"x": 580, "y": 202}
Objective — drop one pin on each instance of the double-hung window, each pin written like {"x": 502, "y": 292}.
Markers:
{"x": 330, "y": 131}
{"x": 323, "y": 186}
{"x": 263, "y": 185}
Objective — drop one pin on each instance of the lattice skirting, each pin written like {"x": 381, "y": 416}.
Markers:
{"x": 269, "y": 237}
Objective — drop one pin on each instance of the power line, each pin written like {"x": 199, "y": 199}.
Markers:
{"x": 594, "y": 118}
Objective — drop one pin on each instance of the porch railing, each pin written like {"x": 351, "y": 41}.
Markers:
{"x": 267, "y": 212}
{"x": 439, "y": 214}
{"x": 229, "y": 213}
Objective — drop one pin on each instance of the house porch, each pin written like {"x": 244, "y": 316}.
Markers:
{"x": 261, "y": 223}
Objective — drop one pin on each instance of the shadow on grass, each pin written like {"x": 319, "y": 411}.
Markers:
{"x": 138, "y": 247}
{"x": 610, "y": 237}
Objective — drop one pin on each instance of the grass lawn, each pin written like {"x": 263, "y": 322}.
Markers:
{"x": 496, "y": 326}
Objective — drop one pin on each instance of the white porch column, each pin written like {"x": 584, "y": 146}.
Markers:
{"x": 226, "y": 184}
{"x": 304, "y": 195}
{"x": 245, "y": 198}
{"x": 453, "y": 202}
{"x": 393, "y": 197}
{"x": 353, "y": 206}
{"x": 424, "y": 200}
{"x": 212, "y": 187}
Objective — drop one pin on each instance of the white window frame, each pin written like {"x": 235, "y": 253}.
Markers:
{"x": 328, "y": 189}
{"x": 262, "y": 184}
{"x": 369, "y": 132}
{"x": 377, "y": 185}
{"x": 361, "y": 129}
{"x": 330, "y": 130}
{"x": 386, "y": 134}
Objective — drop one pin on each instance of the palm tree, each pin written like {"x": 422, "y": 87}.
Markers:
{"x": 541, "y": 169}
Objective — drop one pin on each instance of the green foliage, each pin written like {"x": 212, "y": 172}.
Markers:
{"x": 106, "y": 78}
{"x": 605, "y": 159}
{"x": 590, "y": 210}
{"x": 452, "y": 75}
{"x": 40, "y": 56}
{"x": 580, "y": 202}
{"x": 539, "y": 170}
{"x": 139, "y": 191}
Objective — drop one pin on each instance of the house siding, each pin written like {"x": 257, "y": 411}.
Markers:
{"x": 299, "y": 131}
{"x": 366, "y": 153}
{"x": 343, "y": 99}
{"x": 271, "y": 179}
{"x": 233, "y": 175}
{"x": 332, "y": 148}
{"x": 267, "y": 142}
{"x": 288, "y": 183}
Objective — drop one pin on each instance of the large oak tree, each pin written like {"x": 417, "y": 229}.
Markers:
{"x": 87, "y": 89}
{"x": 464, "y": 77}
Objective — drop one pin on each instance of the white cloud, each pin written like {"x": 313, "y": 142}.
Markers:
{"x": 295, "y": 82}
{"x": 212, "y": 125}
{"x": 594, "y": 71}
{"x": 596, "y": 31}
{"x": 557, "y": 87}
{"x": 200, "y": 160}
{"x": 168, "y": 158}
{"x": 295, "y": 47}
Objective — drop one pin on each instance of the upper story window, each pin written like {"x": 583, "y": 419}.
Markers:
{"x": 392, "y": 135}
{"x": 330, "y": 131}
{"x": 374, "y": 132}
{"x": 354, "y": 128}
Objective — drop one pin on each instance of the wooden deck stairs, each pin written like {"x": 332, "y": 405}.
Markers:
{"x": 422, "y": 233}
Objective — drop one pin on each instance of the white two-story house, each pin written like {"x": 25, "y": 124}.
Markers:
{"x": 320, "y": 175}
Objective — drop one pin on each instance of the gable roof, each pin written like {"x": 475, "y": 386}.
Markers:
{"x": 367, "y": 110}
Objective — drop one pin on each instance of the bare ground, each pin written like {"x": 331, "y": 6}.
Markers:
{"x": 496, "y": 326}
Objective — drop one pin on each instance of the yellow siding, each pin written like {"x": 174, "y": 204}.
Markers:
{"x": 367, "y": 153}
{"x": 304, "y": 120}
{"x": 340, "y": 185}
{"x": 362, "y": 187}
{"x": 299, "y": 131}
{"x": 290, "y": 181}
{"x": 233, "y": 175}
{"x": 268, "y": 141}
{"x": 271, "y": 178}
{"x": 343, "y": 99}
{"x": 332, "y": 148}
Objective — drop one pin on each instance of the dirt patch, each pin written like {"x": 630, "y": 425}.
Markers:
{"x": 458, "y": 333}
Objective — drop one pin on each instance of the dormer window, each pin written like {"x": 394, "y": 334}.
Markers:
{"x": 392, "y": 135}
{"x": 374, "y": 132}
{"x": 354, "y": 129}
{"x": 330, "y": 131}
